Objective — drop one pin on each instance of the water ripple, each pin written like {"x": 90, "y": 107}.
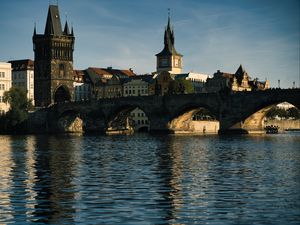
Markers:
{"x": 146, "y": 179}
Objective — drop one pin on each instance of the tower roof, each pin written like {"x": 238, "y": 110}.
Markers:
{"x": 66, "y": 29}
{"x": 53, "y": 24}
{"x": 240, "y": 72}
{"x": 169, "y": 42}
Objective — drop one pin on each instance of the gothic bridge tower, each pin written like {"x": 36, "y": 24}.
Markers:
{"x": 53, "y": 61}
{"x": 169, "y": 59}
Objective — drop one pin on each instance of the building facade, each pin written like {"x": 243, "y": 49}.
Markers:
{"x": 53, "y": 57}
{"x": 82, "y": 86}
{"x": 139, "y": 120}
{"x": 160, "y": 84}
{"x": 198, "y": 80}
{"x": 23, "y": 76}
{"x": 108, "y": 82}
{"x": 169, "y": 59}
{"x": 239, "y": 81}
{"x": 137, "y": 86}
{"x": 5, "y": 85}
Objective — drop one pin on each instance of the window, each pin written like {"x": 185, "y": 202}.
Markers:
{"x": 62, "y": 70}
{"x": 2, "y": 74}
{"x": 2, "y": 86}
{"x": 1, "y": 98}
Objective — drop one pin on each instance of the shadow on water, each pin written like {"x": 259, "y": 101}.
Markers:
{"x": 40, "y": 179}
{"x": 144, "y": 178}
{"x": 55, "y": 162}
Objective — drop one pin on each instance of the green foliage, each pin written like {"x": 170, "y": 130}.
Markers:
{"x": 204, "y": 114}
{"x": 19, "y": 106}
{"x": 294, "y": 113}
{"x": 181, "y": 86}
{"x": 282, "y": 113}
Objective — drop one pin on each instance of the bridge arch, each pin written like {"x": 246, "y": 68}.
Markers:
{"x": 195, "y": 118}
{"x": 62, "y": 94}
{"x": 74, "y": 118}
{"x": 70, "y": 121}
{"x": 254, "y": 120}
{"x": 127, "y": 118}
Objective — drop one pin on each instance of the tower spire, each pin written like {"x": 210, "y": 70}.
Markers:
{"x": 169, "y": 59}
{"x": 34, "y": 30}
{"x": 66, "y": 29}
{"x": 53, "y": 25}
{"x": 169, "y": 20}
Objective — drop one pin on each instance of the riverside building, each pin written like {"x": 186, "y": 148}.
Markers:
{"x": 23, "y": 76}
{"x": 5, "y": 85}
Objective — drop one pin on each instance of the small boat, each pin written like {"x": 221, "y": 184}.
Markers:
{"x": 271, "y": 129}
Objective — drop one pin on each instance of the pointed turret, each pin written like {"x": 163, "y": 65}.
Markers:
{"x": 53, "y": 24}
{"x": 66, "y": 29}
{"x": 240, "y": 70}
{"x": 72, "y": 31}
{"x": 34, "y": 30}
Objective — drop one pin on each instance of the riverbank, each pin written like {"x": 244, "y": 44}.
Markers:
{"x": 284, "y": 124}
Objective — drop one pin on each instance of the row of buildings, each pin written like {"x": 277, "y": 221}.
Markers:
{"x": 51, "y": 78}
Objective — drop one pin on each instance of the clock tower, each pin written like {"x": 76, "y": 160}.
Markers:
{"x": 169, "y": 59}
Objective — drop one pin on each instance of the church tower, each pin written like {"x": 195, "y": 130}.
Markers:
{"x": 169, "y": 59}
{"x": 53, "y": 61}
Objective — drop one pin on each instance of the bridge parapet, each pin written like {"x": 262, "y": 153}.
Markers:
{"x": 233, "y": 111}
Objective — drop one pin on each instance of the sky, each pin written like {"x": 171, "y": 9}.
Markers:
{"x": 262, "y": 35}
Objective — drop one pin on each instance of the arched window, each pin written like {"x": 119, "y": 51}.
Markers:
{"x": 62, "y": 70}
{"x": 62, "y": 94}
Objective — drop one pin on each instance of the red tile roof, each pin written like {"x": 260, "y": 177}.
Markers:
{"x": 111, "y": 71}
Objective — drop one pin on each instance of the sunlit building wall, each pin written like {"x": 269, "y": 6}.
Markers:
{"x": 23, "y": 76}
{"x": 5, "y": 85}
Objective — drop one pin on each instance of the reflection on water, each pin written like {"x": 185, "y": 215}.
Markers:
{"x": 144, "y": 179}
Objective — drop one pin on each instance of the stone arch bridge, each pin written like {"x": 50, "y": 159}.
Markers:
{"x": 241, "y": 112}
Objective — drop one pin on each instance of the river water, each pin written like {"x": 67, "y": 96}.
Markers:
{"x": 150, "y": 179}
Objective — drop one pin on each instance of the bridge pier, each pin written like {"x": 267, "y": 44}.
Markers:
{"x": 159, "y": 123}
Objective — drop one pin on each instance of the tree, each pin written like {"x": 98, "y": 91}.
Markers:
{"x": 181, "y": 86}
{"x": 282, "y": 113}
{"x": 293, "y": 112}
{"x": 19, "y": 106}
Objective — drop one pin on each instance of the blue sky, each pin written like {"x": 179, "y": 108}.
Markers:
{"x": 262, "y": 35}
